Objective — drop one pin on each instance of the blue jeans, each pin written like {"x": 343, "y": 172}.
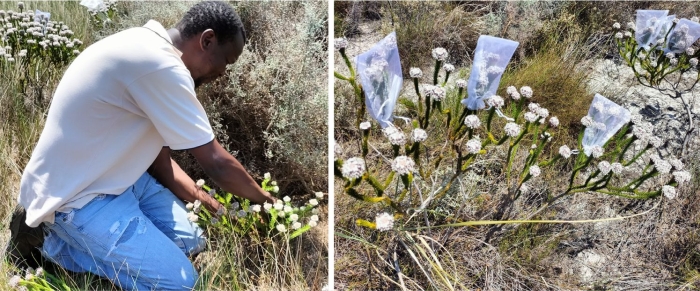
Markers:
{"x": 140, "y": 239}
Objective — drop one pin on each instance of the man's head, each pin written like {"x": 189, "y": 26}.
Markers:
{"x": 211, "y": 37}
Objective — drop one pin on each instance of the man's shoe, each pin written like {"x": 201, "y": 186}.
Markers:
{"x": 25, "y": 242}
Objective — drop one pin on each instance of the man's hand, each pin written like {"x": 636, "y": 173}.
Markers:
{"x": 228, "y": 173}
{"x": 170, "y": 175}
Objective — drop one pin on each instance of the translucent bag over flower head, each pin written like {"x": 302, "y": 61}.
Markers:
{"x": 490, "y": 60}
{"x": 608, "y": 118}
{"x": 93, "y": 5}
{"x": 652, "y": 25}
{"x": 380, "y": 75}
{"x": 40, "y": 16}
{"x": 682, "y": 36}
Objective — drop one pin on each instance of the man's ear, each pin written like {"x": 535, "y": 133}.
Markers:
{"x": 207, "y": 39}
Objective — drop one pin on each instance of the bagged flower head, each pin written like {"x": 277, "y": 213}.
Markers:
{"x": 652, "y": 25}
{"x": 380, "y": 75}
{"x": 490, "y": 60}
{"x": 606, "y": 118}
{"x": 682, "y": 36}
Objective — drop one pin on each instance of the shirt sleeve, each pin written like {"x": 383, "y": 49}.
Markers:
{"x": 167, "y": 98}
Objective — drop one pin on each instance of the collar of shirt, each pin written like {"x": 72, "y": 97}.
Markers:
{"x": 160, "y": 30}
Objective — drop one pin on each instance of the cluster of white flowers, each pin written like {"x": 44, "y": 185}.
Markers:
{"x": 535, "y": 170}
{"x": 448, "y": 67}
{"x": 616, "y": 25}
{"x": 616, "y": 168}
{"x": 472, "y": 121}
{"x": 512, "y": 129}
{"x": 33, "y": 33}
{"x": 526, "y": 91}
{"x": 461, "y": 83}
{"x": 660, "y": 164}
{"x": 669, "y": 191}
{"x": 375, "y": 72}
{"x": 565, "y": 151}
{"x": 676, "y": 163}
{"x": 395, "y": 136}
{"x": 681, "y": 176}
{"x": 604, "y": 167}
{"x": 553, "y": 121}
{"x": 403, "y": 165}
{"x": 495, "y": 101}
{"x": 340, "y": 43}
{"x": 384, "y": 221}
{"x": 415, "y": 72}
{"x": 531, "y": 117}
{"x": 353, "y": 168}
{"x": 365, "y": 125}
{"x": 513, "y": 92}
{"x": 440, "y": 54}
{"x": 597, "y": 152}
{"x": 437, "y": 93}
{"x": 419, "y": 135}
{"x": 473, "y": 146}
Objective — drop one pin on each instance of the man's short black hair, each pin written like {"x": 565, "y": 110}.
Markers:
{"x": 217, "y": 15}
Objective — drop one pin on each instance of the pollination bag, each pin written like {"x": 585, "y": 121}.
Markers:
{"x": 608, "y": 118}
{"x": 379, "y": 69}
{"x": 491, "y": 57}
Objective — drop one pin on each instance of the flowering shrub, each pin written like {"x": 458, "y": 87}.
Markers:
{"x": 102, "y": 11}
{"x": 612, "y": 155}
{"x": 662, "y": 56}
{"x": 239, "y": 216}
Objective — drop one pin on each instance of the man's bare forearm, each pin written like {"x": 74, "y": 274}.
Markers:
{"x": 169, "y": 174}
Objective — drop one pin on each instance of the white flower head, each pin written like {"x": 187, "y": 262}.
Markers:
{"x": 473, "y": 146}
{"x": 681, "y": 176}
{"x": 448, "y": 67}
{"x": 286, "y": 199}
{"x": 669, "y": 191}
{"x": 495, "y": 101}
{"x": 419, "y": 135}
{"x": 437, "y": 93}
{"x": 313, "y": 223}
{"x": 461, "y": 83}
{"x": 531, "y": 117}
{"x": 618, "y": 35}
{"x": 287, "y": 208}
{"x": 670, "y": 55}
{"x": 662, "y": 166}
{"x": 294, "y": 217}
{"x": 440, "y": 54}
{"x": 256, "y": 207}
{"x": 693, "y": 62}
{"x": 673, "y": 62}
{"x": 314, "y": 211}
{"x": 340, "y": 43}
{"x": 279, "y": 206}
{"x": 281, "y": 214}
{"x": 313, "y": 218}
{"x": 553, "y": 121}
{"x": 524, "y": 188}
{"x": 14, "y": 281}
{"x": 533, "y": 107}
{"x": 628, "y": 34}
{"x": 565, "y": 151}
{"x": 189, "y": 206}
{"x": 397, "y": 138}
{"x": 616, "y": 168}
{"x": 235, "y": 205}
{"x": 353, "y": 168}
{"x": 690, "y": 51}
{"x": 472, "y": 121}
{"x": 296, "y": 225}
{"x": 604, "y": 167}
{"x": 587, "y": 121}
{"x": 616, "y": 25}
{"x": 512, "y": 129}
{"x": 197, "y": 204}
{"x": 542, "y": 112}
{"x": 221, "y": 211}
{"x": 384, "y": 221}
{"x": 281, "y": 228}
{"x": 415, "y": 72}
{"x": 597, "y": 152}
{"x": 313, "y": 202}
{"x": 526, "y": 91}
{"x": 191, "y": 216}
{"x": 631, "y": 25}
{"x": 656, "y": 141}
{"x": 535, "y": 170}
{"x": 39, "y": 272}
{"x": 319, "y": 195}
{"x": 677, "y": 164}
{"x": 403, "y": 165}
{"x": 200, "y": 183}
{"x": 267, "y": 176}
{"x": 267, "y": 206}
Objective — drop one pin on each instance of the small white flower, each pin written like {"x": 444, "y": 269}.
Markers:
{"x": 256, "y": 207}
{"x": 565, "y": 151}
{"x": 662, "y": 166}
{"x": 690, "y": 51}
{"x": 287, "y": 199}
{"x": 533, "y": 146}
{"x": 656, "y": 141}
{"x": 669, "y": 191}
{"x": 631, "y": 25}
{"x": 397, "y": 138}
{"x": 604, "y": 167}
{"x": 524, "y": 188}
{"x": 526, "y": 91}
{"x": 313, "y": 223}
{"x": 313, "y": 202}
{"x": 616, "y": 25}
{"x": 675, "y": 20}
{"x": 296, "y": 225}
{"x": 275, "y": 189}
{"x": 40, "y": 272}
{"x": 461, "y": 83}
{"x": 287, "y": 208}
{"x": 694, "y": 19}
{"x": 542, "y": 112}
{"x": 294, "y": 217}
{"x": 415, "y": 73}
{"x": 618, "y": 35}
{"x": 512, "y": 129}
{"x": 281, "y": 214}
{"x": 14, "y": 281}
{"x": 673, "y": 62}
{"x": 677, "y": 164}
{"x": 384, "y": 221}
{"x": 191, "y": 216}
{"x": 281, "y": 228}
{"x": 76, "y": 52}
{"x": 267, "y": 176}
{"x": 448, "y": 68}
{"x": 533, "y": 107}
{"x": 693, "y": 62}
{"x": 200, "y": 183}
{"x": 340, "y": 43}
{"x": 279, "y": 206}
{"x": 267, "y": 206}
{"x": 235, "y": 205}
{"x": 531, "y": 117}
{"x": 197, "y": 204}
{"x": 314, "y": 211}
{"x": 587, "y": 121}
{"x": 553, "y": 121}
{"x": 189, "y": 206}
{"x": 681, "y": 176}
{"x": 472, "y": 121}
{"x": 628, "y": 34}
{"x": 440, "y": 54}
{"x": 437, "y": 93}
{"x": 535, "y": 170}
{"x": 403, "y": 165}
{"x": 365, "y": 125}
{"x": 419, "y": 135}
{"x": 616, "y": 168}
{"x": 319, "y": 195}
{"x": 495, "y": 101}
{"x": 473, "y": 146}
{"x": 313, "y": 218}
{"x": 353, "y": 168}
{"x": 597, "y": 152}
